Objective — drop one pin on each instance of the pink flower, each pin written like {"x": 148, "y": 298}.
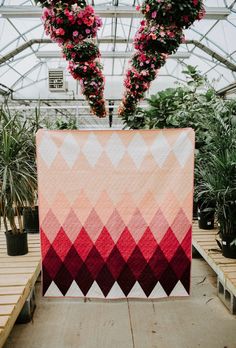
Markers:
{"x": 60, "y": 31}
{"x": 59, "y": 21}
{"x": 87, "y": 31}
{"x": 201, "y": 14}
{"x": 66, "y": 12}
{"x": 88, "y": 21}
{"x": 89, "y": 9}
{"x": 46, "y": 13}
{"x": 186, "y": 19}
{"x": 195, "y": 3}
{"x": 154, "y": 14}
{"x": 71, "y": 19}
{"x": 70, "y": 46}
{"x": 137, "y": 7}
{"x": 171, "y": 34}
{"x": 153, "y": 36}
{"x": 75, "y": 33}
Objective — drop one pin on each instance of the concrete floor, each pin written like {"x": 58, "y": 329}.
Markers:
{"x": 198, "y": 321}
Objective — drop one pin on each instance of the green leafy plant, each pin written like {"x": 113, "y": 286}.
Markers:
{"x": 217, "y": 171}
{"x": 18, "y": 181}
{"x": 69, "y": 123}
{"x": 189, "y": 105}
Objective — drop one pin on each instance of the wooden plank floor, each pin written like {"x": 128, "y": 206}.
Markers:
{"x": 205, "y": 243}
{"x": 17, "y": 277}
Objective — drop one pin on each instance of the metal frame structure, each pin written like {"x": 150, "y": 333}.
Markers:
{"x": 120, "y": 23}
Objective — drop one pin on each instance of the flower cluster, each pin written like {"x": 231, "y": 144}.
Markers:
{"x": 159, "y": 35}
{"x": 81, "y": 52}
{"x": 182, "y": 13}
{"x": 152, "y": 38}
{"x": 92, "y": 83}
{"x": 138, "y": 82}
{"x": 64, "y": 22}
{"x": 69, "y": 24}
{"x": 146, "y": 61}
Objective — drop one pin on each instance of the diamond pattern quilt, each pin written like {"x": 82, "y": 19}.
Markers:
{"x": 116, "y": 212}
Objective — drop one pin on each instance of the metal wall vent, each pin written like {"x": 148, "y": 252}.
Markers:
{"x": 56, "y": 80}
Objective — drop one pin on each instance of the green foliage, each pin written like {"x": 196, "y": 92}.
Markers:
{"x": 69, "y": 123}
{"x": 217, "y": 173}
{"x": 181, "y": 107}
{"x": 18, "y": 181}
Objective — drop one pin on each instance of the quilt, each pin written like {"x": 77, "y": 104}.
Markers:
{"x": 115, "y": 212}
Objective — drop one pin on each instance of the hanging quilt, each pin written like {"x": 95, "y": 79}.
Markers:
{"x": 116, "y": 212}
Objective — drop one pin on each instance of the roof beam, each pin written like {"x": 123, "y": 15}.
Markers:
{"x": 56, "y": 54}
{"x": 214, "y": 13}
{"x": 107, "y": 55}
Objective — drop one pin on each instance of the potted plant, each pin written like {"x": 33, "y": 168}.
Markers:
{"x": 31, "y": 213}
{"x": 205, "y": 209}
{"x": 218, "y": 181}
{"x": 17, "y": 178}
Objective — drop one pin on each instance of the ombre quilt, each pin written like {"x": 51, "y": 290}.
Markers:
{"x": 116, "y": 212}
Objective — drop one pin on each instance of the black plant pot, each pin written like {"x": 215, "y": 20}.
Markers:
{"x": 195, "y": 209}
{"x": 228, "y": 250}
{"x": 206, "y": 219}
{"x": 31, "y": 220}
{"x": 17, "y": 244}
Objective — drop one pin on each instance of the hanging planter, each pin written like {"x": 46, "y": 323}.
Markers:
{"x": 156, "y": 39}
{"x": 171, "y": 12}
{"x": 160, "y": 33}
{"x": 81, "y": 52}
{"x": 72, "y": 24}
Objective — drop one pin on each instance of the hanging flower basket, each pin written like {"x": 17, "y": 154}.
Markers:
{"x": 156, "y": 39}
{"x": 81, "y": 52}
{"x": 171, "y": 12}
{"x": 144, "y": 61}
{"x": 64, "y": 22}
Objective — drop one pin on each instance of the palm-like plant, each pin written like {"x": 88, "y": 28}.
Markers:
{"x": 17, "y": 168}
{"x": 218, "y": 173}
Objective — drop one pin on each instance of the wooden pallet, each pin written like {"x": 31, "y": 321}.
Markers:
{"x": 18, "y": 275}
{"x": 204, "y": 241}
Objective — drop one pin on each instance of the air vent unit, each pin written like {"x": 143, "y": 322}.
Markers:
{"x": 56, "y": 80}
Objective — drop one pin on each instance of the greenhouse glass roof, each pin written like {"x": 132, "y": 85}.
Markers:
{"x": 211, "y": 47}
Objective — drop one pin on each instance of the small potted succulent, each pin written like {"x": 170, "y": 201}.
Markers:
{"x": 17, "y": 178}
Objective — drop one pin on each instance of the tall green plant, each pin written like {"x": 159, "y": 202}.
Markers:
{"x": 17, "y": 168}
{"x": 217, "y": 171}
